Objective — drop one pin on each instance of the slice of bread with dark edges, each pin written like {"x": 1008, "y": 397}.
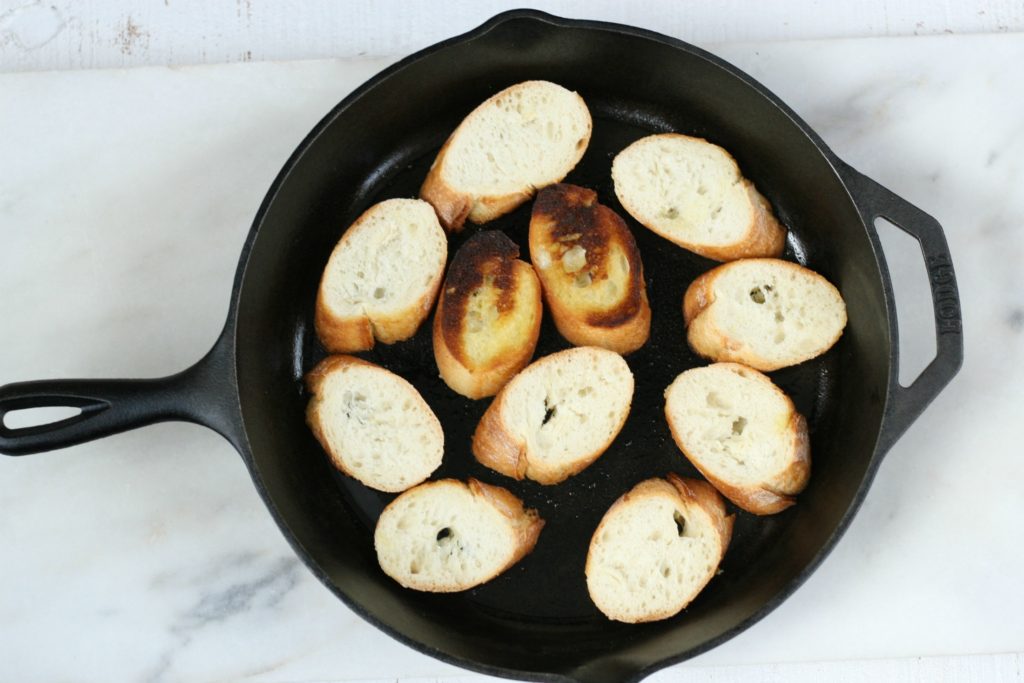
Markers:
{"x": 523, "y": 138}
{"x": 691, "y": 192}
{"x": 488, "y": 317}
{"x": 373, "y": 424}
{"x": 743, "y": 433}
{"x": 590, "y": 270}
{"x": 557, "y": 416}
{"x": 446, "y": 536}
{"x": 763, "y": 313}
{"x": 656, "y": 548}
{"x": 382, "y": 277}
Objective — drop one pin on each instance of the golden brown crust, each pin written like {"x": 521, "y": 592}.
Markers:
{"x": 527, "y": 522}
{"x": 709, "y": 341}
{"x": 340, "y": 334}
{"x": 313, "y": 380}
{"x": 567, "y": 216}
{"x": 690, "y": 492}
{"x": 486, "y": 260}
{"x": 777, "y": 494}
{"x": 454, "y": 208}
{"x": 765, "y": 236}
{"x": 494, "y": 446}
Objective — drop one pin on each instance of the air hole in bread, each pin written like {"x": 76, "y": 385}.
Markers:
{"x": 549, "y": 412}
{"x": 584, "y": 280}
{"x": 379, "y": 293}
{"x": 715, "y": 401}
{"x": 780, "y": 337}
{"x": 779, "y": 317}
{"x": 414, "y": 568}
{"x": 581, "y": 143}
{"x": 757, "y": 296}
{"x": 738, "y": 425}
{"x": 702, "y": 190}
{"x": 718, "y": 210}
{"x": 680, "y": 522}
{"x": 670, "y": 212}
{"x": 444, "y": 535}
{"x": 666, "y": 571}
{"x": 585, "y": 391}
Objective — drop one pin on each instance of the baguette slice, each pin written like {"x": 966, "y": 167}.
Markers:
{"x": 382, "y": 277}
{"x": 656, "y": 548}
{"x": 764, "y": 313}
{"x": 446, "y": 536}
{"x": 557, "y": 416}
{"x": 525, "y": 137}
{"x": 743, "y": 433}
{"x": 590, "y": 270}
{"x": 373, "y": 424}
{"x": 691, "y": 192}
{"x": 488, "y": 317}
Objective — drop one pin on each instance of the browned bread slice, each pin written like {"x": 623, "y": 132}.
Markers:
{"x": 691, "y": 192}
{"x": 743, "y": 433}
{"x": 382, "y": 277}
{"x": 488, "y": 317}
{"x": 373, "y": 424}
{"x": 525, "y": 137}
{"x": 445, "y": 536}
{"x": 764, "y": 313}
{"x": 557, "y": 416}
{"x": 656, "y": 548}
{"x": 590, "y": 270}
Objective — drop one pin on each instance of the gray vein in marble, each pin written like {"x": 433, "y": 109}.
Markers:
{"x": 265, "y": 591}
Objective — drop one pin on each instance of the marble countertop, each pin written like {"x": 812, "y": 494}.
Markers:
{"x": 125, "y": 196}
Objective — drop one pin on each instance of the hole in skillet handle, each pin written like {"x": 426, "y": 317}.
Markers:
{"x": 26, "y": 418}
{"x": 917, "y": 345}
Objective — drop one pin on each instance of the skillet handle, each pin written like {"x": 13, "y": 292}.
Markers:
{"x": 907, "y": 403}
{"x": 201, "y": 394}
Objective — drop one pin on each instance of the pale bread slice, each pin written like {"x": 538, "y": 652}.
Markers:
{"x": 590, "y": 269}
{"x": 382, "y": 277}
{"x": 488, "y": 317}
{"x": 763, "y": 313}
{"x": 373, "y": 424}
{"x": 656, "y": 548}
{"x": 523, "y": 138}
{"x": 446, "y": 536}
{"x": 691, "y": 192}
{"x": 557, "y": 416}
{"x": 743, "y": 433}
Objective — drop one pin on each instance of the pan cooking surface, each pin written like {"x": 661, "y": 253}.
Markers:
{"x": 548, "y": 586}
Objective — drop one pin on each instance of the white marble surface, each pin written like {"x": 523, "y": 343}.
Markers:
{"x": 72, "y": 34}
{"x": 124, "y": 198}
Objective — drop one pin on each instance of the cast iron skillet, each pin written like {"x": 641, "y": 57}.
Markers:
{"x": 536, "y": 621}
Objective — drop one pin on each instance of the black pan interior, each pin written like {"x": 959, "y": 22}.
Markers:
{"x": 537, "y": 617}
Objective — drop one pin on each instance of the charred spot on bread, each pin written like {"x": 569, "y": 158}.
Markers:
{"x": 581, "y": 234}
{"x": 486, "y": 261}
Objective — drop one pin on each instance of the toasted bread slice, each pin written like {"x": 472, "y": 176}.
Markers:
{"x": 656, "y": 548}
{"x": 488, "y": 318}
{"x": 691, "y": 192}
{"x": 557, "y": 416}
{"x": 525, "y": 137}
{"x": 590, "y": 270}
{"x": 446, "y": 536}
{"x": 743, "y": 433}
{"x": 382, "y": 277}
{"x": 373, "y": 424}
{"x": 764, "y": 313}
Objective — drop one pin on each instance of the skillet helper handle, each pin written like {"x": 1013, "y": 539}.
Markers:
{"x": 907, "y": 403}
{"x": 201, "y": 394}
